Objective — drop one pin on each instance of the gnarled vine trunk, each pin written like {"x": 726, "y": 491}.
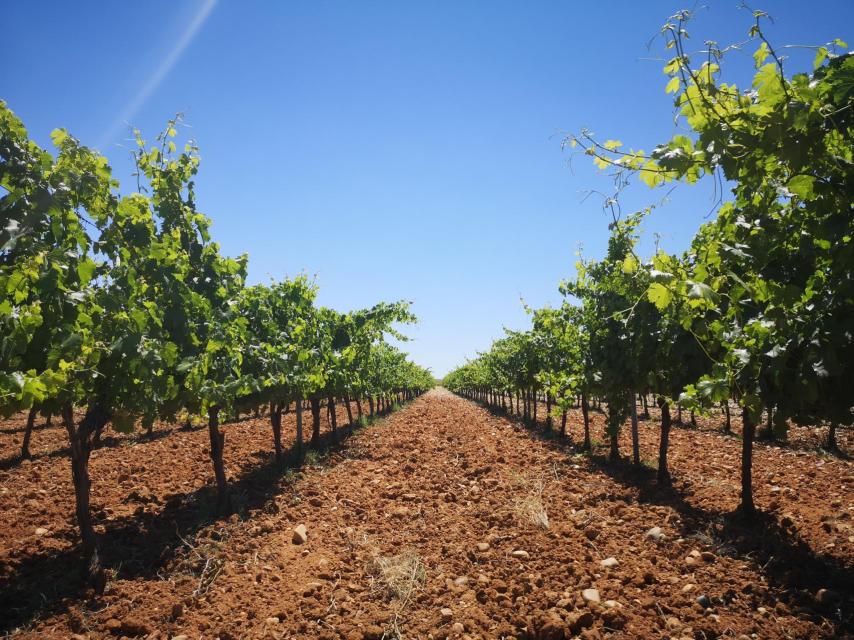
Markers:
{"x": 315, "y": 422}
{"x": 585, "y": 413}
{"x": 349, "y": 410}
{"x": 217, "y": 441}
{"x": 635, "y": 434}
{"x": 80, "y": 441}
{"x": 749, "y": 432}
{"x": 831, "y": 443}
{"x": 276, "y": 422}
{"x": 663, "y": 471}
{"x": 728, "y": 422}
{"x": 298, "y": 410}
{"x": 28, "y": 432}
{"x": 333, "y": 416}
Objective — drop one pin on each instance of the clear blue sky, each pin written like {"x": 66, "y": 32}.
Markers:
{"x": 397, "y": 150}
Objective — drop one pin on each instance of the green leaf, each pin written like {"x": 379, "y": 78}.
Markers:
{"x": 85, "y": 269}
{"x": 673, "y": 85}
{"x": 630, "y": 264}
{"x": 659, "y": 295}
{"x": 802, "y": 186}
{"x": 73, "y": 341}
{"x": 760, "y": 55}
{"x": 650, "y": 174}
{"x": 699, "y": 290}
{"x": 820, "y": 57}
{"x": 660, "y": 276}
{"x": 58, "y": 137}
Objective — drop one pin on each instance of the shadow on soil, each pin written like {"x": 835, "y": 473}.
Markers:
{"x": 142, "y": 545}
{"x": 794, "y": 571}
{"x": 108, "y": 442}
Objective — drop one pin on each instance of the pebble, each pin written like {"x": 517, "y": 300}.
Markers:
{"x": 457, "y": 627}
{"x": 590, "y": 595}
{"x": 519, "y": 553}
{"x": 300, "y": 534}
{"x": 704, "y": 601}
{"x": 272, "y": 620}
{"x": 483, "y": 546}
{"x": 447, "y": 614}
{"x": 826, "y": 596}
{"x": 41, "y": 531}
{"x": 609, "y": 562}
{"x": 655, "y": 533}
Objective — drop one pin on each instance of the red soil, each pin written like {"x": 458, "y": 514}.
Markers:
{"x": 416, "y": 494}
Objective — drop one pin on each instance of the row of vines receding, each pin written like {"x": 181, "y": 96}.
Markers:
{"x": 756, "y": 318}
{"x": 120, "y": 310}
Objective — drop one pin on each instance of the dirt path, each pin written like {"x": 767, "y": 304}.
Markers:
{"x": 441, "y": 521}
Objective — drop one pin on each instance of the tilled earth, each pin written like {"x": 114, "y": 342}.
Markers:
{"x": 443, "y": 520}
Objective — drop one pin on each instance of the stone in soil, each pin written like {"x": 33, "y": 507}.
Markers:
{"x": 590, "y": 595}
{"x": 655, "y": 533}
{"x": 300, "y": 534}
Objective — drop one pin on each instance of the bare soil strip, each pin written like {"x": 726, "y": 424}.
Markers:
{"x": 443, "y": 520}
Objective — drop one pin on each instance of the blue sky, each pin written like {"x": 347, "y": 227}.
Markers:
{"x": 397, "y": 150}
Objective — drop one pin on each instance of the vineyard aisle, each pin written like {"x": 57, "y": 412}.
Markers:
{"x": 442, "y": 519}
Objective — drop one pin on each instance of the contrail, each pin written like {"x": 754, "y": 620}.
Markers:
{"x": 133, "y": 107}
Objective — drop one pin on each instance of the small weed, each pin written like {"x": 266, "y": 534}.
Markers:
{"x": 651, "y": 463}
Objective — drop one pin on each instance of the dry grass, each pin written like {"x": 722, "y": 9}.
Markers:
{"x": 530, "y": 508}
{"x": 400, "y": 575}
{"x": 204, "y": 560}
